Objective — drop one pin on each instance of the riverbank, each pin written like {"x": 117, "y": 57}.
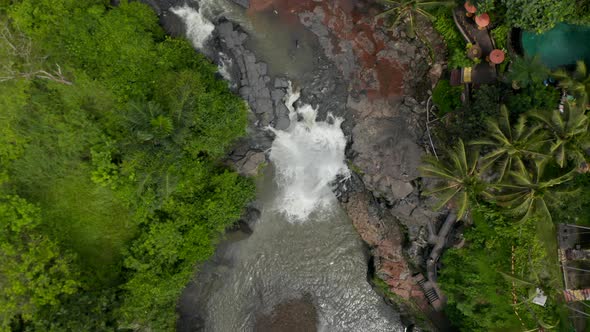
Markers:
{"x": 353, "y": 67}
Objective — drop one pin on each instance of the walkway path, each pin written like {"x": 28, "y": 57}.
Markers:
{"x": 482, "y": 38}
{"x": 471, "y": 33}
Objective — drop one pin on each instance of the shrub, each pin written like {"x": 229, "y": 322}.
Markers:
{"x": 479, "y": 285}
{"x": 537, "y": 15}
{"x": 534, "y": 97}
{"x": 468, "y": 122}
{"x": 446, "y": 97}
{"x": 500, "y": 35}
{"x": 445, "y": 26}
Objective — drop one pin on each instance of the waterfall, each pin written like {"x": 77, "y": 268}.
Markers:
{"x": 308, "y": 157}
{"x": 198, "y": 28}
{"x": 321, "y": 260}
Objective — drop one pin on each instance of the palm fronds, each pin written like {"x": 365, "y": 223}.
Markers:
{"x": 569, "y": 132}
{"x": 526, "y": 194}
{"x": 408, "y": 10}
{"x": 459, "y": 177}
{"x": 511, "y": 145}
{"x": 577, "y": 83}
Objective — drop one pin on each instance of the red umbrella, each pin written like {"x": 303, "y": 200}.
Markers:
{"x": 497, "y": 56}
{"x": 482, "y": 21}
{"x": 470, "y": 8}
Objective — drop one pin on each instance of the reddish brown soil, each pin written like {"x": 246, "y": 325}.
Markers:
{"x": 379, "y": 76}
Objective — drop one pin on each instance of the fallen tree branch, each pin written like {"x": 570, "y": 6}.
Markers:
{"x": 56, "y": 76}
{"x": 428, "y": 126}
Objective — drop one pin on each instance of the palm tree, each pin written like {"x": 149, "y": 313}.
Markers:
{"x": 578, "y": 83}
{"x": 151, "y": 132}
{"x": 409, "y": 9}
{"x": 525, "y": 71}
{"x": 148, "y": 122}
{"x": 510, "y": 145}
{"x": 528, "y": 192}
{"x": 569, "y": 132}
{"x": 459, "y": 175}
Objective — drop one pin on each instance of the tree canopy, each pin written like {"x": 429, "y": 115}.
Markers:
{"x": 111, "y": 186}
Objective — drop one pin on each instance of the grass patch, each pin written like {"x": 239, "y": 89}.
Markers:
{"x": 446, "y": 97}
{"x": 89, "y": 220}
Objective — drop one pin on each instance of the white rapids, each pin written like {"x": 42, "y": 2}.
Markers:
{"x": 198, "y": 28}
{"x": 308, "y": 157}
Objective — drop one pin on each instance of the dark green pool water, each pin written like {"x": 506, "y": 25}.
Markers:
{"x": 560, "y": 46}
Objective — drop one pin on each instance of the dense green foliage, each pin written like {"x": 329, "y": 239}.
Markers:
{"x": 493, "y": 292}
{"x": 513, "y": 190}
{"x": 34, "y": 272}
{"x": 111, "y": 187}
{"x": 576, "y": 211}
{"x": 523, "y": 167}
{"x": 409, "y": 11}
{"x": 537, "y": 15}
{"x": 457, "y": 54}
{"x": 510, "y": 145}
{"x": 535, "y": 96}
{"x": 500, "y": 36}
{"x": 469, "y": 121}
{"x": 446, "y": 97}
{"x": 527, "y": 71}
{"x": 519, "y": 167}
{"x": 461, "y": 178}
{"x": 577, "y": 83}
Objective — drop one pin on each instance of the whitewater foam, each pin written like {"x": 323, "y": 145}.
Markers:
{"x": 198, "y": 28}
{"x": 308, "y": 157}
{"x": 225, "y": 62}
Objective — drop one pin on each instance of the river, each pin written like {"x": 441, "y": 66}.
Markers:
{"x": 304, "y": 267}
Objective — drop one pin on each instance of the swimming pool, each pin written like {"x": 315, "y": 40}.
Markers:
{"x": 563, "y": 45}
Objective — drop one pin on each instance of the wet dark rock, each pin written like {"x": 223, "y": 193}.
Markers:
{"x": 282, "y": 117}
{"x": 281, "y": 82}
{"x": 250, "y": 164}
{"x": 381, "y": 231}
{"x": 190, "y": 322}
{"x": 253, "y": 79}
{"x": 243, "y": 3}
{"x": 250, "y": 217}
{"x": 277, "y": 96}
{"x": 241, "y": 227}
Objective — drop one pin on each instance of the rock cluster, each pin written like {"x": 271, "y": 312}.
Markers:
{"x": 264, "y": 95}
{"x": 381, "y": 231}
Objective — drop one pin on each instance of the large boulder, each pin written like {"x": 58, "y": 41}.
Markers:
{"x": 385, "y": 149}
{"x": 381, "y": 231}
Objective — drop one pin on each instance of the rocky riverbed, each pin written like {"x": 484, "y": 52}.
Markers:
{"x": 377, "y": 79}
